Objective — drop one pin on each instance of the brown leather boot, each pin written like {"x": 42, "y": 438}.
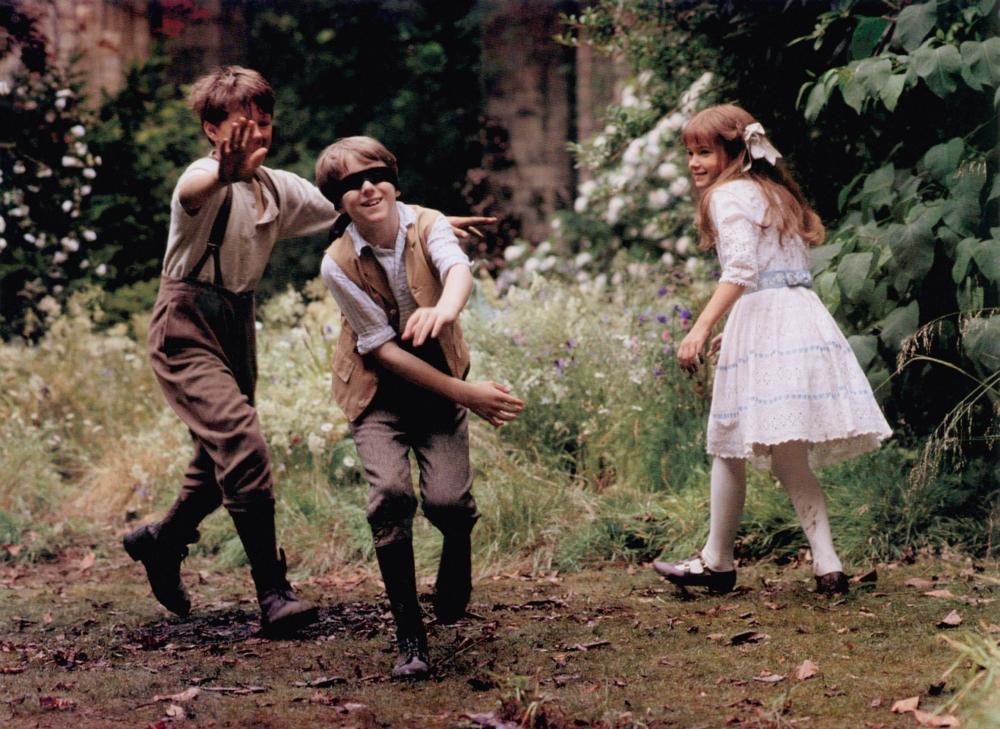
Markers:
{"x": 281, "y": 611}
{"x": 395, "y": 561}
{"x": 162, "y": 559}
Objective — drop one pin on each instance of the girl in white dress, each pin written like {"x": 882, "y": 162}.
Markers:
{"x": 789, "y": 394}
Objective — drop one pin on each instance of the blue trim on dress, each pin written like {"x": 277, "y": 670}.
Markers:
{"x": 782, "y": 278}
{"x": 842, "y": 390}
{"x": 826, "y": 346}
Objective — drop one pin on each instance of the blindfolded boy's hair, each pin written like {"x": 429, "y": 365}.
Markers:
{"x": 331, "y": 166}
{"x": 229, "y": 88}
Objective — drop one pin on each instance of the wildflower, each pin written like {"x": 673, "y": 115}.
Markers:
{"x": 658, "y": 198}
{"x": 64, "y": 93}
{"x": 680, "y": 186}
{"x": 581, "y": 260}
{"x": 78, "y": 130}
{"x": 513, "y": 252}
{"x": 85, "y": 263}
{"x": 70, "y": 244}
{"x": 101, "y": 269}
{"x": 48, "y": 305}
{"x": 561, "y": 365}
{"x": 4, "y": 88}
{"x": 348, "y": 462}
{"x": 683, "y": 245}
{"x": 580, "y": 204}
{"x": 3, "y": 244}
{"x": 662, "y": 318}
{"x": 643, "y": 318}
{"x": 657, "y": 371}
{"x": 315, "y": 444}
{"x": 651, "y": 230}
{"x": 615, "y": 206}
{"x": 89, "y": 173}
{"x": 633, "y": 153}
{"x": 70, "y": 161}
{"x": 81, "y": 149}
{"x": 547, "y": 263}
{"x": 662, "y": 291}
{"x": 326, "y": 427}
{"x": 89, "y": 236}
{"x": 60, "y": 104}
{"x": 59, "y": 257}
{"x": 530, "y": 265}
{"x": 556, "y": 223}
{"x": 667, "y": 170}
{"x": 666, "y": 335}
{"x": 44, "y": 171}
{"x": 668, "y": 350}
{"x": 19, "y": 168}
{"x": 67, "y": 206}
{"x": 683, "y": 313}
{"x": 570, "y": 344}
{"x": 3, "y": 224}
{"x": 21, "y": 211}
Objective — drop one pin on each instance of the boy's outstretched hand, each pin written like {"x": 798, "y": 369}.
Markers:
{"x": 463, "y": 227}
{"x": 242, "y": 152}
{"x": 427, "y": 321}
{"x": 492, "y": 402}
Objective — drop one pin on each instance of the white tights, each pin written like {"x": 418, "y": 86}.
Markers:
{"x": 790, "y": 464}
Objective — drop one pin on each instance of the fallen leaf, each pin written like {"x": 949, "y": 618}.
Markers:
{"x": 175, "y": 712}
{"x": 321, "y": 682}
{"x": 774, "y": 605}
{"x": 951, "y": 620}
{"x": 876, "y": 702}
{"x": 56, "y": 703}
{"x": 920, "y": 583}
{"x": 185, "y": 695}
{"x": 589, "y": 646}
{"x": 769, "y": 678}
{"x": 715, "y": 636}
{"x": 904, "y": 705}
{"x": 939, "y": 720}
{"x": 869, "y": 576}
{"x": 748, "y": 636}
{"x": 47, "y": 618}
{"x": 946, "y": 594}
{"x": 87, "y": 562}
{"x": 807, "y": 669}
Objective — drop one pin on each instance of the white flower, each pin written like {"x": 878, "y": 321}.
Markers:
{"x": 3, "y": 244}
{"x": 683, "y": 245}
{"x": 85, "y": 190}
{"x": 89, "y": 173}
{"x": 4, "y": 88}
{"x": 63, "y": 93}
{"x": 513, "y": 252}
{"x": 580, "y": 204}
{"x": 658, "y": 198}
{"x": 326, "y": 427}
{"x": 59, "y": 257}
{"x": 547, "y": 263}
{"x": 3, "y": 224}
{"x": 668, "y": 170}
{"x": 60, "y": 104}
{"x": 70, "y": 244}
{"x": 89, "y": 236}
{"x": 530, "y": 265}
{"x": 615, "y": 206}
{"x": 556, "y": 223}
{"x": 667, "y": 259}
{"x": 68, "y": 161}
{"x": 80, "y": 148}
{"x": 348, "y": 462}
{"x": 58, "y": 289}
{"x": 691, "y": 265}
{"x": 633, "y": 153}
{"x": 600, "y": 140}
{"x": 44, "y": 171}
{"x": 101, "y": 269}
{"x": 21, "y": 211}
{"x": 582, "y": 259}
{"x": 587, "y": 187}
{"x": 675, "y": 121}
{"x": 18, "y": 168}
{"x": 315, "y": 444}
{"x": 49, "y": 305}
{"x": 67, "y": 206}
{"x": 257, "y": 325}
{"x": 78, "y": 130}
{"x": 85, "y": 263}
{"x": 680, "y": 186}
{"x": 544, "y": 248}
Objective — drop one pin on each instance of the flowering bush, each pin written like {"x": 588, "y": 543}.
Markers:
{"x": 46, "y": 176}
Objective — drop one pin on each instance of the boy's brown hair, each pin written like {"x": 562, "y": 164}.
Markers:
{"x": 227, "y": 88}
{"x": 331, "y": 165}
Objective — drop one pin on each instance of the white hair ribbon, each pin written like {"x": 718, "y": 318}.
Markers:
{"x": 758, "y": 145}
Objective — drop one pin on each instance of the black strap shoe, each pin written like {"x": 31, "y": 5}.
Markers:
{"x": 163, "y": 567}
{"x": 281, "y": 611}
{"x": 694, "y": 572}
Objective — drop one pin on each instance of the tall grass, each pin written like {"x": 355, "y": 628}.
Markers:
{"x": 606, "y": 462}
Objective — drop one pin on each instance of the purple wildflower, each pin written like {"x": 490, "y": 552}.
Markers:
{"x": 685, "y": 314}
{"x": 662, "y": 318}
{"x": 663, "y": 291}
{"x": 657, "y": 371}
{"x": 561, "y": 365}
{"x": 570, "y": 344}
{"x": 643, "y": 318}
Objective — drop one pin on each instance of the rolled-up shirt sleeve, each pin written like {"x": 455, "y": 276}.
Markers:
{"x": 367, "y": 320}
{"x": 444, "y": 248}
{"x": 737, "y": 233}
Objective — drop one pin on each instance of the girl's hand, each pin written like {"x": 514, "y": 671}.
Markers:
{"x": 427, "y": 321}
{"x": 242, "y": 152}
{"x": 689, "y": 353}
{"x": 492, "y": 402}
{"x": 462, "y": 227}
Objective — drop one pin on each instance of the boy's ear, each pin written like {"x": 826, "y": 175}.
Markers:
{"x": 398, "y": 193}
{"x": 211, "y": 131}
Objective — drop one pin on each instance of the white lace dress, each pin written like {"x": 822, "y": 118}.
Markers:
{"x": 785, "y": 370}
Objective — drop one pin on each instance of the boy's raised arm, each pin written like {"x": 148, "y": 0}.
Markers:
{"x": 239, "y": 153}
{"x": 489, "y": 400}
{"x": 429, "y": 320}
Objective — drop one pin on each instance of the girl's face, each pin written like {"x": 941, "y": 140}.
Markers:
{"x": 705, "y": 163}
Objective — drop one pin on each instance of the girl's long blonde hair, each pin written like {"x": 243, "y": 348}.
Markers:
{"x": 721, "y": 127}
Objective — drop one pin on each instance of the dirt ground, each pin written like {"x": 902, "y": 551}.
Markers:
{"x": 82, "y": 644}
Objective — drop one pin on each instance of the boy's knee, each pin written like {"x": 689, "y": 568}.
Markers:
{"x": 246, "y": 479}
{"x": 451, "y": 513}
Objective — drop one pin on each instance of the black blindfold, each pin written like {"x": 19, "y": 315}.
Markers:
{"x": 336, "y": 190}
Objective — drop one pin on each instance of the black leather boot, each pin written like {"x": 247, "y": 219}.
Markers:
{"x": 453, "y": 587}
{"x": 161, "y": 553}
{"x": 281, "y": 611}
{"x": 395, "y": 561}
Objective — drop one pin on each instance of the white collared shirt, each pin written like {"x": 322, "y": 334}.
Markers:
{"x": 366, "y": 318}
